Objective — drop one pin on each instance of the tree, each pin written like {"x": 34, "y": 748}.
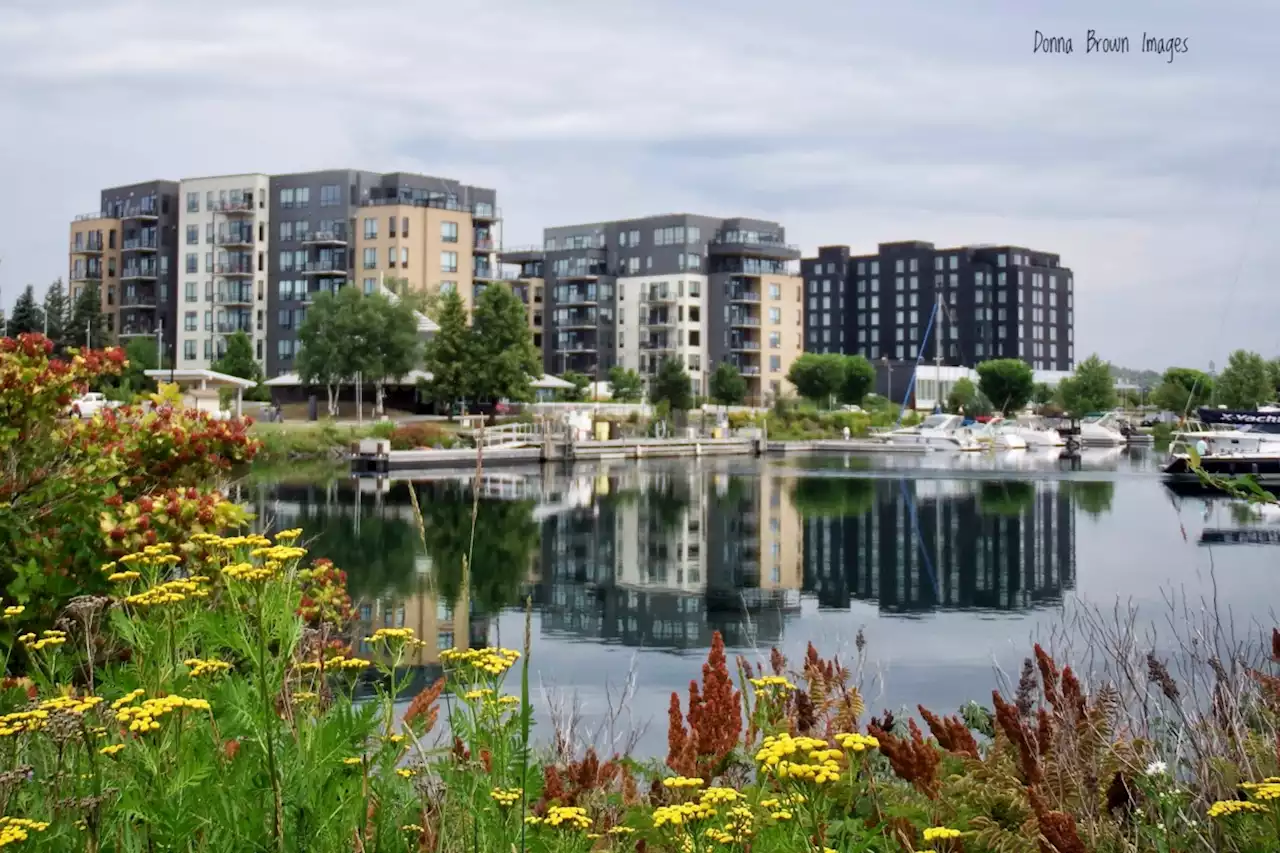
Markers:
{"x": 327, "y": 345}
{"x": 27, "y": 316}
{"x": 1273, "y": 367}
{"x": 56, "y": 316}
{"x": 1182, "y": 389}
{"x": 963, "y": 396}
{"x": 671, "y": 385}
{"x": 394, "y": 348}
{"x": 625, "y": 385}
{"x": 580, "y": 383}
{"x": 238, "y": 361}
{"x": 1245, "y": 382}
{"x": 1089, "y": 389}
{"x": 1042, "y": 393}
{"x": 87, "y": 319}
{"x": 447, "y": 355}
{"x": 1008, "y": 383}
{"x": 859, "y": 378}
{"x": 818, "y": 377}
{"x": 728, "y": 387}
{"x": 143, "y": 355}
{"x": 505, "y": 358}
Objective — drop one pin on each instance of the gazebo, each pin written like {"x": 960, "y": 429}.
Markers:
{"x": 200, "y": 387}
{"x": 546, "y": 387}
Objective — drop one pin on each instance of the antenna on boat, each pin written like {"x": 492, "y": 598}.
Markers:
{"x": 940, "y": 309}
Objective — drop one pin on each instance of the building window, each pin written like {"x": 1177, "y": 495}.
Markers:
{"x": 190, "y": 321}
{"x": 208, "y": 321}
{"x": 371, "y": 227}
{"x": 189, "y": 346}
{"x": 370, "y": 285}
{"x": 775, "y": 363}
{"x": 775, "y": 316}
{"x": 193, "y": 202}
{"x": 448, "y": 261}
{"x": 448, "y": 232}
{"x": 370, "y": 258}
{"x": 404, "y": 226}
{"x": 193, "y": 262}
{"x": 775, "y": 340}
{"x": 391, "y": 256}
{"x": 330, "y": 195}
{"x": 193, "y": 233}
{"x": 404, "y": 256}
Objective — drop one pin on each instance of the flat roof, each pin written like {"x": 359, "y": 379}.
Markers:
{"x": 198, "y": 375}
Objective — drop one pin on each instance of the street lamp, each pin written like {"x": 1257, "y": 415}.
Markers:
{"x": 888, "y": 366}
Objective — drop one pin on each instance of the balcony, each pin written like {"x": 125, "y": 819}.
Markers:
{"x": 736, "y": 295}
{"x": 737, "y": 244}
{"x": 660, "y": 319}
{"x": 323, "y": 267}
{"x": 244, "y": 297}
{"x": 659, "y": 297}
{"x": 144, "y": 272}
{"x": 232, "y": 328}
{"x": 231, "y": 208}
{"x": 333, "y": 237}
{"x": 141, "y": 244}
{"x": 742, "y": 321}
{"x": 487, "y": 274}
{"x": 94, "y": 275}
{"x": 578, "y": 320}
{"x": 658, "y": 345}
{"x": 138, "y": 299}
{"x": 744, "y": 346}
{"x": 136, "y": 331}
{"x": 749, "y": 370}
{"x": 145, "y": 212}
{"x": 485, "y": 245}
{"x": 522, "y": 254}
{"x": 578, "y": 346}
{"x": 236, "y": 240}
{"x": 233, "y": 268}
{"x": 94, "y": 248}
{"x": 576, "y": 297}
{"x": 484, "y": 213}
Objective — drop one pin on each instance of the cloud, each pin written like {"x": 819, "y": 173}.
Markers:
{"x": 847, "y": 122}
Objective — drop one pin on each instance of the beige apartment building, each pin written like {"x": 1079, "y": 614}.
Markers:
{"x": 94, "y": 248}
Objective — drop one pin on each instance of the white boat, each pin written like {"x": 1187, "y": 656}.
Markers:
{"x": 996, "y": 435}
{"x": 939, "y": 432}
{"x": 1036, "y": 433}
{"x": 1101, "y": 431}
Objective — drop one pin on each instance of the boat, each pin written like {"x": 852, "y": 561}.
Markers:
{"x": 1224, "y": 453}
{"x": 939, "y": 432}
{"x": 1266, "y": 419}
{"x": 1035, "y": 432}
{"x": 997, "y": 435}
{"x": 1101, "y": 430}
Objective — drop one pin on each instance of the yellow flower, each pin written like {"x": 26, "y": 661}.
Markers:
{"x": 506, "y": 796}
{"x": 404, "y": 773}
{"x": 412, "y": 827}
{"x": 935, "y": 833}
{"x": 126, "y": 699}
{"x": 27, "y": 639}
{"x": 720, "y": 795}
{"x": 351, "y": 762}
{"x": 206, "y": 667}
{"x": 112, "y": 750}
{"x": 15, "y": 829}
{"x": 11, "y": 612}
{"x": 394, "y": 636}
{"x": 486, "y": 661}
{"x": 142, "y": 718}
{"x": 681, "y": 782}
{"x": 1222, "y": 808}
{"x": 854, "y": 742}
{"x": 770, "y": 682}
{"x": 622, "y": 830}
{"x": 681, "y": 813}
{"x": 568, "y": 817}
{"x": 289, "y": 535}
{"x": 121, "y": 577}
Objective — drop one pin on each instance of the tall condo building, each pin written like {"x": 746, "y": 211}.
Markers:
{"x": 198, "y": 260}
{"x": 997, "y": 302}
{"x": 697, "y": 289}
{"x": 224, "y": 232}
{"x": 335, "y": 227}
{"x": 147, "y": 214}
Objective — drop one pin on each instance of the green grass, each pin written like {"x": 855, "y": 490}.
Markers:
{"x": 311, "y": 440}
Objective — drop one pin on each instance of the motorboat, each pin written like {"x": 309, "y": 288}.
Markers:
{"x": 1224, "y": 453}
{"x": 938, "y": 432}
{"x": 1102, "y": 430}
{"x": 997, "y": 435}
{"x": 1036, "y": 433}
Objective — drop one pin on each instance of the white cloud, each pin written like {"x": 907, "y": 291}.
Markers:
{"x": 849, "y": 123}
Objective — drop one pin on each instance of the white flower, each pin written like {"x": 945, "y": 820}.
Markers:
{"x": 1157, "y": 768}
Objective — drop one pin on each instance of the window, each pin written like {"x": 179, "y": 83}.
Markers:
{"x": 193, "y": 202}
{"x": 775, "y": 340}
{"x": 208, "y": 261}
{"x": 302, "y": 197}
{"x": 693, "y": 262}
{"x": 897, "y": 265}
{"x": 693, "y": 234}
{"x": 622, "y": 239}
{"x": 370, "y": 258}
{"x": 449, "y": 232}
{"x": 404, "y": 256}
{"x": 448, "y": 261}
{"x": 193, "y": 262}
{"x": 208, "y": 321}
{"x": 286, "y": 230}
{"x": 190, "y": 291}
{"x": 330, "y": 195}
{"x": 404, "y": 226}
{"x": 189, "y": 346}
{"x": 190, "y": 321}
{"x": 826, "y": 318}
{"x": 915, "y": 282}
{"x": 391, "y": 226}
{"x": 775, "y": 291}
{"x": 915, "y": 265}
{"x": 371, "y": 228}
{"x": 775, "y": 316}
{"x": 775, "y": 363}
{"x": 695, "y": 290}
{"x": 193, "y": 235}
{"x": 391, "y": 256}
{"x": 370, "y": 285}
{"x": 286, "y": 197}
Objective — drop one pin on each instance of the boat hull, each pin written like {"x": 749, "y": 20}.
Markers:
{"x": 1264, "y": 469}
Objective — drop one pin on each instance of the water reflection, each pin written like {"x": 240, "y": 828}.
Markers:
{"x": 662, "y": 555}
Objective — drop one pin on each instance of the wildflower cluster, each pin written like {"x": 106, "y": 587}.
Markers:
{"x": 567, "y": 817}
{"x": 822, "y": 764}
{"x": 772, "y": 682}
{"x": 395, "y": 636}
{"x": 1222, "y": 808}
{"x": 171, "y": 592}
{"x": 206, "y": 667}
{"x": 854, "y": 742}
{"x": 506, "y": 796}
{"x": 143, "y": 718}
{"x": 49, "y": 639}
{"x": 486, "y": 661}
{"x": 682, "y": 813}
{"x": 15, "y": 829}
{"x": 940, "y": 833}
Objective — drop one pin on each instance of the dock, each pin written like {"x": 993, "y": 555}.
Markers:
{"x": 375, "y": 456}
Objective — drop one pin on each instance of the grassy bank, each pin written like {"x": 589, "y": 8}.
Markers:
{"x": 311, "y": 439}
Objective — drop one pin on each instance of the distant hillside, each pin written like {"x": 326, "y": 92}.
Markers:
{"x": 1141, "y": 378}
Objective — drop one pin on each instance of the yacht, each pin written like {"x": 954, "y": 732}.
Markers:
{"x": 939, "y": 432}
{"x": 1225, "y": 453}
{"x": 1101, "y": 431}
{"x": 1035, "y": 432}
{"x": 998, "y": 436}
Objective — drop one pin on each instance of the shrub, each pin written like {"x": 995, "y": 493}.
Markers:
{"x": 422, "y": 434}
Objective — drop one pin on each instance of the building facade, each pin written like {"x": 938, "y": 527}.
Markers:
{"x": 697, "y": 289}
{"x": 148, "y": 217}
{"x": 995, "y": 302}
{"x": 94, "y": 249}
{"x": 225, "y": 234}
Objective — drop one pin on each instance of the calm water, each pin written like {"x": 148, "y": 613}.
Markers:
{"x": 950, "y": 566}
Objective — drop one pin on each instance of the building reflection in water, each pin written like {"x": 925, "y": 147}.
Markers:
{"x": 925, "y": 545}
{"x": 663, "y": 555}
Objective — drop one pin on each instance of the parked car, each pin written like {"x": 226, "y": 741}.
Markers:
{"x": 90, "y": 404}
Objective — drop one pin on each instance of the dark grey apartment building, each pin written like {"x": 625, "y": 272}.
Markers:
{"x": 700, "y": 289}
{"x": 997, "y": 302}
{"x": 148, "y": 225}
{"x": 341, "y": 226}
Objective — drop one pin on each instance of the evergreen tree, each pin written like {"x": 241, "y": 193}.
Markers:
{"x": 87, "y": 318}
{"x": 625, "y": 385}
{"x": 1244, "y": 383}
{"x": 238, "y": 361}
{"x": 447, "y": 355}
{"x": 502, "y": 347}
{"x": 728, "y": 387}
{"x": 671, "y": 385}
{"x": 27, "y": 315}
{"x": 56, "y": 315}
{"x": 1090, "y": 389}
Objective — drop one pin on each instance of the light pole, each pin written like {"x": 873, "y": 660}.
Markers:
{"x": 888, "y": 366}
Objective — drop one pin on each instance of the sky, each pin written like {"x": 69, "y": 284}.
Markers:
{"x": 850, "y": 123}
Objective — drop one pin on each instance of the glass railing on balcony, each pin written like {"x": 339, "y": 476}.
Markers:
{"x": 230, "y": 328}
{"x": 86, "y": 274}
{"x": 89, "y": 247}
{"x": 234, "y": 268}
{"x": 745, "y": 345}
{"x": 138, "y": 299}
{"x": 236, "y": 237}
{"x": 147, "y": 243}
{"x": 234, "y": 297}
{"x": 749, "y": 370}
{"x": 743, "y": 320}
{"x": 576, "y": 296}
{"x": 571, "y": 319}
{"x": 483, "y": 244}
{"x": 145, "y": 209}
{"x": 326, "y": 267}
{"x": 736, "y": 295}
{"x": 328, "y": 236}
{"x": 240, "y": 205}
{"x": 139, "y": 271}
{"x": 485, "y": 273}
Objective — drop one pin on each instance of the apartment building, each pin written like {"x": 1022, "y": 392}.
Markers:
{"x": 698, "y": 289}
{"x": 94, "y": 252}
{"x": 334, "y": 227}
{"x": 224, "y": 231}
{"x": 528, "y": 282}
{"x": 148, "y": 225}
{"x": 998, "y": 302}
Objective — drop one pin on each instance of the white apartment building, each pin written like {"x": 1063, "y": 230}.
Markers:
{"x": 662, "y": 316}
{"x": 223, "y": 237}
